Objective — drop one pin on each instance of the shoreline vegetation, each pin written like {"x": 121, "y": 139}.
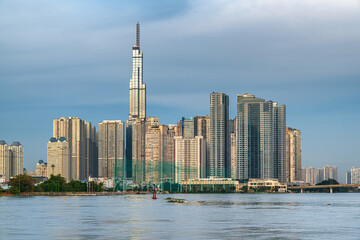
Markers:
{"x": 23, "y": 185}
{"x": 74, "y": 194}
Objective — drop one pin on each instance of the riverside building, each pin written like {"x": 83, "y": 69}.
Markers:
{"x": 111, "y": 149}
{"x": 11, "y": 159}
{"x": 354, "y": 175}
{"x": 81, "y": 136}
{"x": 219, "y": 139}
{"x": 261, "y": 139}
{"x": 58, "y": 158}
{"x": 309, "y": 175}
{"x": 293, "y": 155}
{"x": 190, "y": 155}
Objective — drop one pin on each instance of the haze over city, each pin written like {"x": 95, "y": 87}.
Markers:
{"x": 74, "y": 59}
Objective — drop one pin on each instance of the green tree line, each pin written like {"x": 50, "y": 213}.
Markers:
{"x": 24, "y": 183}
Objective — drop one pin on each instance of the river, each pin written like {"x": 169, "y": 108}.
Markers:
{"x": 201, "y": 216}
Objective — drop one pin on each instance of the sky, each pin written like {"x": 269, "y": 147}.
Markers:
{"x": 73, "y": 58}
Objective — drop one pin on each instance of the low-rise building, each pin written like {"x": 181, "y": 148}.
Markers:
{"x": 267, "y": 183}
{"x": 212, "y": 185}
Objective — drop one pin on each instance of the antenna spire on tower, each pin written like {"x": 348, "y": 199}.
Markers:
{"x": 138, "y": 34}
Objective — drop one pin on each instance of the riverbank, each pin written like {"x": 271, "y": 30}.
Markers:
{"x": 28, "y": 194}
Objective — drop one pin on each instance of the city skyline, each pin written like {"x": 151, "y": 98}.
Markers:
{"x": 323, "y": 127}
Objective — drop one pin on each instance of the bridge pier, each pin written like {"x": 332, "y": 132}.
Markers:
{"x": 331, "y": 190}
{"x": 302, "y": 190}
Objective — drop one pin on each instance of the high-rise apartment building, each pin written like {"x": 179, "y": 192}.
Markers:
{"x": 189, "y": 156}
{"x": 11, "y": 159}
{"x": 138, "y": 147}
{"x": 17, "y": 159}
{"x": 233, "y": 154}
{"x": 308, "y": 174}
{"x": 219, "y": 139}
{"x": 330, "y": 172}
{"x": 233, "y": 147}
{"x": 348, "y": 177}
{"x": 293, "y": 155}
{"x": 355, "y": 175}
{"x": 188, "y": 127}
{"x": 41, "y": 168}
{"x": 156, "y": 153}
{"x": 137, "y": 130}
{"x": 319, "y": 175}
{"x": 5, "y": 160}
{"x": 202, "y": 128}
{"x": 58, "y": 158}
{"x": 261, "y": 138}
{"x": 111, "y": 149}
{"x": 81, "y": 136}
{"x": 169, "y": 161}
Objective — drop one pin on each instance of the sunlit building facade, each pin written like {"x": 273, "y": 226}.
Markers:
{"x": 189, "y": 156}
{"x": 293, "y": 155}
{"x": 81, "y": 136}
{"x": 58, "y": 158}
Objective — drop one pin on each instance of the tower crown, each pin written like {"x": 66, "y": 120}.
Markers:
{"x": 138, "y": 34}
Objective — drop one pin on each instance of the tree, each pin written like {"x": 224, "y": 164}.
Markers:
{"x": 21, "y": 183}
{"x": 330, "y": 181}
{"x": 53, "y": 184}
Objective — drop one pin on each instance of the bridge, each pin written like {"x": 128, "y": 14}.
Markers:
{"x": 302, "y": 188}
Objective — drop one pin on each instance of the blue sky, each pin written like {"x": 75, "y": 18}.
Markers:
{"x": 73, "y": 58}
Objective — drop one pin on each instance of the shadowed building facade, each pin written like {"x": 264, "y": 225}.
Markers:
{"x": 219, "y": 139}
{"x": 261, "y": 138}
{"x": 111, "y": 149}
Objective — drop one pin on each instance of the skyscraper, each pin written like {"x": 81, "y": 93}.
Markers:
{"x": 5, "y": 160}
{"x": 355, "y": 175}
{"x": 81, "y": 136}
{"x": 261, "y": 138}
{"x": 17, "y": 159}
{"x": 189, "y": 156}
{"x": 58, "y": 158}
{"x": 330, "y": 172}
{"x": 219, "y": 161}
{"x": 348, "y": 177}
{"x": 233, "y": 154}
{"x": 309, "y": 175}
{"x": 319, "y": 175}
{"x": 155, "y": 153}
{"x": 11, "y": 159}
{"x": 293, "y": 155}
{"x": 111, "y": 149}
{"x": 137, "y": 89}
{"x": 202, "y": 128}
{"x": 187, "y": 127}
{"x": 137, "y": 105}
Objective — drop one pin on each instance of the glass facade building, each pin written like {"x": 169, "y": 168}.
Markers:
{"x": 261, "y": 140}
{"x": 219, "y": 161}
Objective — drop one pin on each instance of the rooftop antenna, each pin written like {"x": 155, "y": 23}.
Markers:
{"x": 138, "y": 34}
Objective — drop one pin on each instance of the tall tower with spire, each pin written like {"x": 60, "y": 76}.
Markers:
{"x": 135, "y": 126}
{"x": 137, "y": 89}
